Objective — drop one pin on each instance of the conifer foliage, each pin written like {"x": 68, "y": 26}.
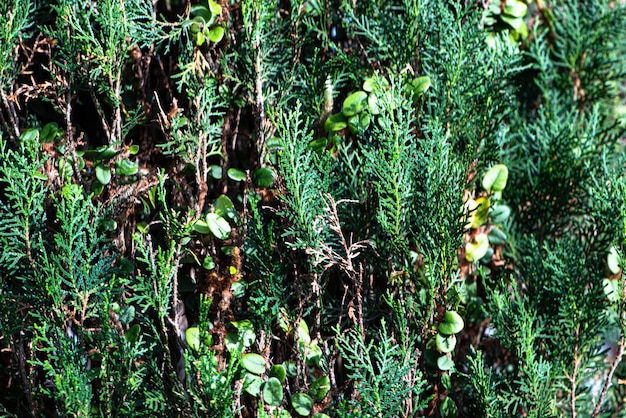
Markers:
{"x": 314, "y": 208}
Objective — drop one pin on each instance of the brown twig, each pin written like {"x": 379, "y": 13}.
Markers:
{"x": 359, "y": 301}
{"x": 101, "y": 114}
{"x": 572, "y": 379}
{"x": 7, "y": 128}
{"x": 15, "y": 131}
{"x": 328, "y": 257}
{"x": 21, "y": 354}
{"x": 609, "y": 377}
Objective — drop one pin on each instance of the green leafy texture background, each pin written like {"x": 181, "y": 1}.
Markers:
{"x": 361, "y": 236}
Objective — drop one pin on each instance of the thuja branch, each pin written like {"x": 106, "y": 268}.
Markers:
{"x": 259, "y": 101}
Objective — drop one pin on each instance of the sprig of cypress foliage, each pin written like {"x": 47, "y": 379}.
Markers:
{"x": 306, "y": 177}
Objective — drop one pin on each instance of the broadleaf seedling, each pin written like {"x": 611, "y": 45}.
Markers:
{"x": 445, "y": 343}
{"x": 272, "y": 392}
{"x": 254, "y": 363}
{"x": 451, "y": 323}
{"x": 445, "y": 363}
{"x": 236, "y": 174}
{"x": 302, "y": 404}
{"x": 103, "y": 174}
{"x": 354, "y": 103}
{"x": 495, "y": 178}
{"x": 476, "y": 250}
{"x": 252, "y": 384}
{"x": 218, "y": 226}
{"x": 319, "y": 388}
{"x": 264, "y": 177}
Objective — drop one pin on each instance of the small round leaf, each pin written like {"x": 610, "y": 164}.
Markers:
{"x": 318, "y": 145}
{"x": 199, "y": 10}
{"x": 219, "y": 226}
{"x": 80, "y": 161}
{"x": 104, "y": 153}
{"x": 216, "y": 34}
{"x": 451, "y": 323}
{"x": 103, "y": 174}
{"x": 215, "y": 8}
{"x": 302, "y": 404}
{"x": 126, "y": 167}
{"x": 29, "y": 135}
{"x": 495, "y": 178}
{"x": 66, "y": 168}
{"x": 245, "y": 331}
{"x": 127, "y": 314}
{"x": 354, "y": 103}
{"x": 278, "y": 371}
{"x": 445, "y": 343}
{"x": 420, "y": 84}
{"x": 50, "y": 132}
{"x": 476, "y": 250}
{"x": 264, "y": 177}
{"x": 208, "y": 263}
{"x": 445, "y": 363}
{"x": 372, "y": 104}
{"x": 198, "y": 38}
{"x": 481, "y": 213}
{"x": 516, "y": 23}
{"x": 611, "y": 289}
{"x": 320, "y": 388}
{"x": 233, "y": 342}
{"x": 273, "y": 392}
{"x": 500, "y": 213}
{"x": 445, "y": 381}
{"x": 253, "y": 362}
{"x": 335, "y": 123}
{"x": 486, "y": 259}
{"x": 290, "y": 368}
{"x": 109, "y": 224}
{"x": 215, "y": 171}
{"x": 313, "y": 355}
{"x": 303, "y": 333}
{"x": 359, "y": 122}
{"x": 238, "y": 288}
{"x": 515, "y": 8}
{"x": 192, "y": 336}
{"x": 97, "y": 187}
{"x": 448, "y": 408}
{"x": 236, "y": 174}
{"x": 313, "y": 8}
{"x": 497, "y": 237}
{"x": 200, "y": 227}
{"x": 225, "y": 208}
{"x": 132, "y": 335}
{"x": 252, "y": 384}
{"x": 143, "y": 227}
{"x": 369, "y": 84}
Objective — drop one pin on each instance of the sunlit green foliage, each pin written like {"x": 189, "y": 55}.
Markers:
{"x": 312, "y": 208}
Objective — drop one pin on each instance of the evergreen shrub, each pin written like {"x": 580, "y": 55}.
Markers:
{"x": 316, "y": 208}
